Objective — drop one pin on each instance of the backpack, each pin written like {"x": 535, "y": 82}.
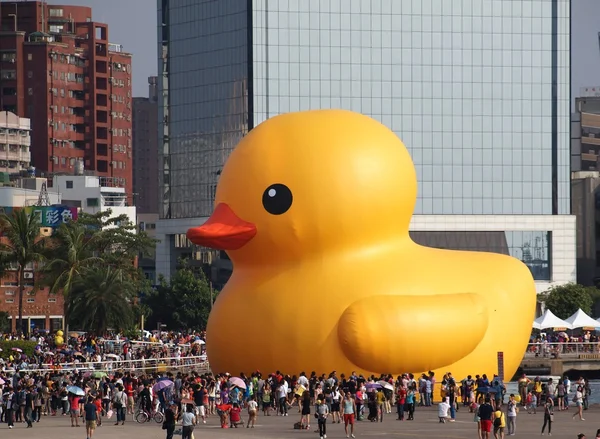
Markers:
{"x": 327, "y": 389}
{"x": 498, "y": 422}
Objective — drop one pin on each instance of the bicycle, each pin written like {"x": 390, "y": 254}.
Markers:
{"x": 143, "y": 416}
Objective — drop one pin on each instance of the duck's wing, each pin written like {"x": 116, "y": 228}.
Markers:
{"x": 401, "y": 333}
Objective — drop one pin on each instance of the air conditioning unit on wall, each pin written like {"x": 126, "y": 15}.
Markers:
{"x": 28, "y": 275}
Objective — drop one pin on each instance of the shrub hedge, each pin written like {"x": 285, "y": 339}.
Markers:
{"x": 26, "y": 346}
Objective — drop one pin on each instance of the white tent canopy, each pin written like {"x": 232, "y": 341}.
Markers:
{"x": 581, "y": 320}
{"x": 549, "y": 320}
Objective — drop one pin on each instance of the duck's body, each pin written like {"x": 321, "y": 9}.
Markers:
{"x": 316, "y": 289}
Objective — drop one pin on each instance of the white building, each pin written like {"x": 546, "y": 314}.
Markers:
{"x": 25, "y": 193}
{"x": 93, "y": 194}
{"x": 15, "y": 140}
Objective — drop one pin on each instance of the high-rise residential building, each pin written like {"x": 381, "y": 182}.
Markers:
{"x": 145, "y": 150}
{"x": 478, "y": 90}
{"x": 15, "y": 140}
{"x": 60, "y": 70}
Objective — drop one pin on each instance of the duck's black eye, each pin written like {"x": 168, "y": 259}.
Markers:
{"x": 277, "y": 199}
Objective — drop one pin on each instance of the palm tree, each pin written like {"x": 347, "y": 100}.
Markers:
{"x": 102, "y": 297}
{"x": 73, "y": 250}
{"x": 22, "y": 246}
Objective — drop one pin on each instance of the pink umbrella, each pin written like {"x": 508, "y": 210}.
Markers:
{"x": 2, "y": 381}
{"x": 238, "y": 382}
{"x": 17, "y": 350}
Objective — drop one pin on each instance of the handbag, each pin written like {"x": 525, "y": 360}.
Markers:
{"x": 164, "y": 425}
{"x": 552, "y": 417}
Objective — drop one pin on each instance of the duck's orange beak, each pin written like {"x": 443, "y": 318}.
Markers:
{"x": 224, "y": 230}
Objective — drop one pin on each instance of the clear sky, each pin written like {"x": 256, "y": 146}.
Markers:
{"x": 131, "y": 23}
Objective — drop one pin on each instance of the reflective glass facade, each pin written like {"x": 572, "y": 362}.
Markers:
{"x": 533, "y": 248}
{"x": 203, "y": 97}
{"x": 477, "y": 89}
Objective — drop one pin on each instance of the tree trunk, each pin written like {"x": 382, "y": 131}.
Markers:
{"x": 21, "y": 276}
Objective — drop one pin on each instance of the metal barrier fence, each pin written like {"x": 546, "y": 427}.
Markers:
{"x": 561, "y": 350}
{"x": 197, "y": 363}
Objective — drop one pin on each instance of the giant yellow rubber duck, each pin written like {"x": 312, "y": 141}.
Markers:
{"x": 313, "y": 209}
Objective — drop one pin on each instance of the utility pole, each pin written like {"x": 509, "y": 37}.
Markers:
{"x": 211, "y": 294}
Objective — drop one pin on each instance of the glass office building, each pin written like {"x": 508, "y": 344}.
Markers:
{"x": 478, "y": 90}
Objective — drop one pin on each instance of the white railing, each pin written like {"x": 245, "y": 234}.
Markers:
{"x": 198, "y": 363}
{"x": 561, "y": 350}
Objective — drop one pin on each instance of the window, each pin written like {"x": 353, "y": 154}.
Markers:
{"x": 31, "y": 300}
{"x": 9, "y": 74}
{"x": 8, "y": 56}
{"x": 92, "y": 202}
{"x": 10, "y": 300}
{"x": 29, "y": 56}
{"x": 52, "y": 300}
{"x": 56, "y": 12}
{"x": 9, "y": 293}
{"x": 30, "y": 74}
{"x": 69, "y": 184}
{"x": 30, "y": 91}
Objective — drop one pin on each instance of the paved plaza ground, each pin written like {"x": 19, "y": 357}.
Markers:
{"x": 425, "y": 425}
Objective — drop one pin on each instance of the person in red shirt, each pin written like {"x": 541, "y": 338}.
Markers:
{"x": 400, "y": 402}
{"x": 98, "y": 404}
{"x": 130, "y": 399}
{"x": 235, "y": 417}
{"x": 223, "y": 411}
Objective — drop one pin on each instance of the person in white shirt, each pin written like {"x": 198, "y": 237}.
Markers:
{"x": 252, "y": 411}
{"x": 282, "y": 395}
{"x": 443, "y": 408}
{"x": 188, "y": 420}
{"x": 302, "y": 380}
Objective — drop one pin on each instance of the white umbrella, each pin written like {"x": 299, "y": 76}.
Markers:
{"x": 549, "y": 320}
{"x": 581, "y": 320}
{"x": 116, "y": 357}
{"x": 198, "y": 341}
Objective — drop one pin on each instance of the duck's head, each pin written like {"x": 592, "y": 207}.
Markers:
{"x": 302, "y": 184}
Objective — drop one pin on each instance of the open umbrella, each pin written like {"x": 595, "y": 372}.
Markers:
{"x": 99, "y": 374}
{"x": 238, "y": 382}
{"x": 75, "y": 390}
{"x": 19, "y": 350}
{"x": 187, "y": 401}
{"x": 373, "y": 386}
{"x": 198, "y": 341}
{"x": 2, "y": 381}
{"x": 163, "y": 384}
{"x": 385, "y": 385}
{"x": 116, "y": 357}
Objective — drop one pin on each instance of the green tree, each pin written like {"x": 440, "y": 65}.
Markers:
{"x": 182, "y": 303}
{"x": 72, "y": 250}
{"x": 565, "y": 300}
{"x": 98, "y": 240}
{"x": 23, "y": 246}
{"x": 4, "y": 322}
{"x": 102, "y": 297}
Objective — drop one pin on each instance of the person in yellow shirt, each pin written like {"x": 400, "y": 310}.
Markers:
{"x": 499, "y": 424}
{"x": 380, "y": 398}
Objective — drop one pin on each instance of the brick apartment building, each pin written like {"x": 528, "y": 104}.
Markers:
{"x": 59, "y": 69}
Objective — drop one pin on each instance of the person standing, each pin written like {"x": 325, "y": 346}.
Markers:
{"x": 91, "y": 417}
{"x": 486, "y": 412}
{"x": 348, "y": 413}
{"x": 578, "y": 400}
{"x": 188, "y": 420}
{"x": 11, "y": 406}
{"x": 322, "y": 413}
{"x": 548, "y": 415}
{"x": 511, "y": 412}
{"x": 29, "y": 407}
{"x": 119, "y": 404}
{"x": 169, "y": 422}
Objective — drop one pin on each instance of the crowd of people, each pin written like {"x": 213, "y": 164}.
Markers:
{"x": 91, "y": 397}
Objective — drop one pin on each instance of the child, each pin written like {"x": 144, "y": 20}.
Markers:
{"x": 235, "y": 418}
{"x": 252, "y": 411}
{"x": 531, "y": 403}
{"x": 443, "y": 408}
{"x": 223, "y": 412}
{"x": 98, "y": 403}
